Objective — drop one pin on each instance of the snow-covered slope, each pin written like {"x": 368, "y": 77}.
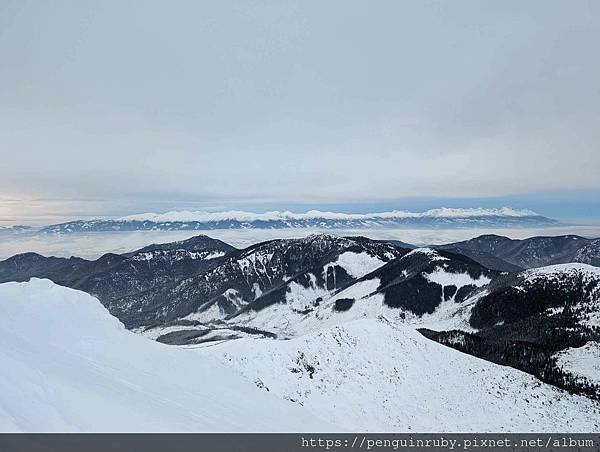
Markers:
{"x": 373, "y": 375}
{"x": 67, "y": 365}
{"x": 447, "y": 283}
{"x": 559, "y": 271}
{"x": 546, "y": 291}
{"x": 582, "y": 361}
{"x": 422, "y": 286}
{"x": 290, "y": 271}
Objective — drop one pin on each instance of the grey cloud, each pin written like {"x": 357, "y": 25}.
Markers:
{"x": 296, "y": 101}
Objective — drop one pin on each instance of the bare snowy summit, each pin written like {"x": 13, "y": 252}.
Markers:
{"x": 200, "y": 220}
{"x": 443, "y": 212}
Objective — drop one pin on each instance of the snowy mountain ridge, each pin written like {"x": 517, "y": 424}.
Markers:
{"x": 200, "y": 220}
{"x": 203, "y": 216}
{"x": 375, "y": 375}
{"x": 539, "y": 251}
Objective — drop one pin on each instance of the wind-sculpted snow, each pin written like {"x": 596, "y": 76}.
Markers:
{"x": 372, "y": 375}
{"x": 188, "y": 293}
{"x": 68, "y": 366}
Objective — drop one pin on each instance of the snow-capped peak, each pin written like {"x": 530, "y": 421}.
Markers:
{"x": 565, "y": 269}
{"x": 562, "y": 270}
{"x": 203, "y": 216}
{"x": 430, "y": 253}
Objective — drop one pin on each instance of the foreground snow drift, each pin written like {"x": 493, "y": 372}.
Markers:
{"x": 376, "y": 376}
{"x": 67, "y": 365}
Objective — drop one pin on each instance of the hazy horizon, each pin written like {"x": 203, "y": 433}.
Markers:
{"x": 112, "y": 108}
{"x": 571, "y": 215}
{"x": 94, "y": 244}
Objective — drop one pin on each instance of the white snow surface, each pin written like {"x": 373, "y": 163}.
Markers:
{"x": 287, "y": 321}
{"x": 552, "y": 271}
{"x": 429, "y": 252}
{"x": 283, "y": 318}
{"x": 177, "y": 255}
{"x": 66, "y": 365}
{"x": 203, "y": 216}
{"x": 367, "y": 305}
{"x": 449, "y": 315}
{"x": 588, "y": 273}
{"x": 300, "y": 298}
{"x": 372, "y": 375}
{"x": 445, "y": 278}
{"x": 583, "y": 361}
{"x": 214, "y": 312}
{"x": 358, "y": 265}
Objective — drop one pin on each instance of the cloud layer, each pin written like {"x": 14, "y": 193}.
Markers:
{"x": 108, "y": 105}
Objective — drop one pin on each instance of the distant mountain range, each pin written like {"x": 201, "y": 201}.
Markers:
{"x": 16, "y": 229}
{"x": 198, "y": 221}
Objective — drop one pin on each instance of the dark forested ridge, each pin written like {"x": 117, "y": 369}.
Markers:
{"x": 497, "y": 250}
{"x": 525, "y": 319}
{"x": 529, "y": 357}
{"x": 114, "y": 275}
{"x": 406, "y": 284}
{"x": 253, "y": 279}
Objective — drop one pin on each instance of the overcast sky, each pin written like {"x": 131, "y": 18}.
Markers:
{"x": 114, "y": 107}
